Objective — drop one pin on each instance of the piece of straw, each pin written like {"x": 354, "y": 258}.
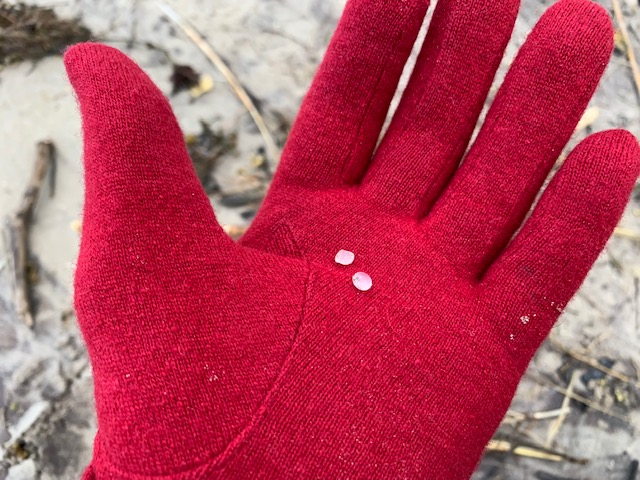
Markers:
{"x": 216, "y": 60}
{"x": 627, "y": 40}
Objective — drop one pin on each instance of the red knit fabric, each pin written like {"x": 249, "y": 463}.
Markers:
{"x": 261, "y": 360}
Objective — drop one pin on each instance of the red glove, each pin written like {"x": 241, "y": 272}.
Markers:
{"x": 261, "y": 359}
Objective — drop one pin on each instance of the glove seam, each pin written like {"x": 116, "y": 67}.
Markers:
{"x": 347, "y": 171}
{"x": 259, "y": 413}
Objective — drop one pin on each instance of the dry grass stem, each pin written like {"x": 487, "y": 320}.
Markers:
{"x": 627, "y": 233}
{"x": 231, "y": 78}
{"x": 588, "y": 119}
{"x": 545, "y": 415}
{"x": 556, "y": 425}
{"x": 617, "y": 9}
{"x": 504, "y": 446}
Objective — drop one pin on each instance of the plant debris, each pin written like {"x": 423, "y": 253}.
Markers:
{"x": 18, "y": 231}
{"x": 540, "y": 453}
{"x": 183, "y": 78}
{"x": 259, "y": 162}
{"x": 624, "y": 42}
{"x": 248, "y": 214}
{"x": 29, "y": 32}
{"x": 205, "y": 84}
{"x": 234, "y": 231}
{"x": 243, "y": 197}
{"x": 205, "y": 149}
{"x": 281, "y": 129}
{"x": 588, "y": 118}
{"x": 597, "y": 373}
{"x": 238, "y": 88}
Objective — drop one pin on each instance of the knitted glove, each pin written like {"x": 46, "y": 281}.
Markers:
{"x": 261, "y": 359}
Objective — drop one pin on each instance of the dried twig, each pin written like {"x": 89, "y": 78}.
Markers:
{"x": 219, "y": 63}
{"x": 18, "y": 228}
{"x": 627, "y": 40}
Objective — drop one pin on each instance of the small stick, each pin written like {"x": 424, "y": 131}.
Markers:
{"x": 219, "y": 63}
{"x": 627, "y": 40}
{"x": 18, "y": 227}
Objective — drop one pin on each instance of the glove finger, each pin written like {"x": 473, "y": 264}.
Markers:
{"x": 549, "y": 258}
{"x": 535, "y": 112}
{"x": 340, "y": 120}
{"x": 144, "y": 205}
{"x": 441, "y": 105}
